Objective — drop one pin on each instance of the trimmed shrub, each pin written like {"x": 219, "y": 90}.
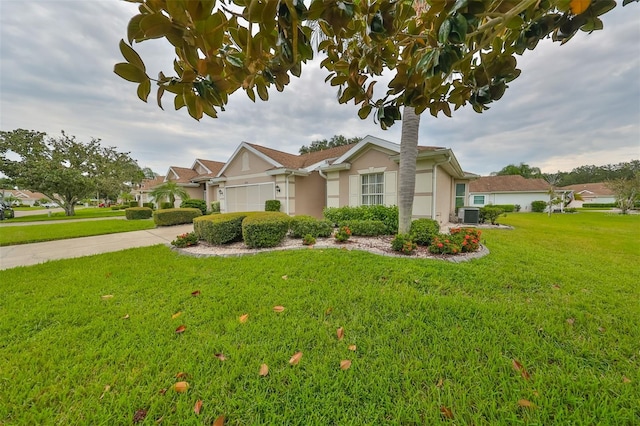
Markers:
{"x": 265, "y": 229}
{"x": 133, "y": 213}
{"x": 185, "y": 240}
{"x": 506, "y": 208}
{"x": 149, "y": 205}
{"x": 215, "y": 207}
{"x": 309, "y": 240}
{"x": 168, "y": 217}
{"x": 386, "y": 214}
{"x": 538, "y": 206}
{"x": 195, "y": 204}
{"x": 422, "y": 231}
{"x": 467, "y": 238}
{"x": 599, "y": 205}
{"x": 404, "y": 244}
{"x": 307, "y": 225}
{"x": 166, "y": 205}
{"x": 365, "y": 228}
{"x": 116, "y": 207}
{"x": 272, "y": 206}
{"x": 490, "y": 213}
{"x": 220, "y": 228}
{"x": 133, "y": 204}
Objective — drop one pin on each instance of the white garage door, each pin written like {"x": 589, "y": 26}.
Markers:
{"x": 249, "y": 198}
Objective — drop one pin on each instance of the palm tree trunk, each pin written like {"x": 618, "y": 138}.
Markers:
{"x": 407, "y": 172}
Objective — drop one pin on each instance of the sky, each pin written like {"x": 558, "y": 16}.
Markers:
{"x": 573, "y": 105}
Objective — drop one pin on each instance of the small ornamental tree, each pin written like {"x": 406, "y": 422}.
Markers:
{"x": 626, "y": 191}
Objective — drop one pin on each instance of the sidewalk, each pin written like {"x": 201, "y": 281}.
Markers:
{"x": 32, "y": 254}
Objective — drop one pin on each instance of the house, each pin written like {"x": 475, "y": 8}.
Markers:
{"x": 25, "y": 197}
{"x": 591, "y": 193}
{"x": 510, "y": 189}
{"x": 365, "y": 173}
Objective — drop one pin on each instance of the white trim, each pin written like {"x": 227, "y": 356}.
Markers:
{"x": 368, "y": 140}
{"x": 251, "y": 149}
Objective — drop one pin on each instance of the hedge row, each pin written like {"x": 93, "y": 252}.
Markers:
{"x": 365, "y": 228}
{"x": 169, "y": 217}
{"x": 257, "y": 229}
{"x": 386, "y": 214}
{"x": 302, "y": 226}
{"x": 133, "y": 213}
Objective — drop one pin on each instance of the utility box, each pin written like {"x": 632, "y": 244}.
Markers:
{"x": 469, "y": 215}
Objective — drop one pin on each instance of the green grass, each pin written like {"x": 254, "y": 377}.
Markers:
{"x": 12, "y": 235}
{"x": 81, "y": 213}
{"x": 416, "y": 323}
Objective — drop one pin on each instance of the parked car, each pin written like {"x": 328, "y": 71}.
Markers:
{"x": 6, "y": 212}
{"x": 50, "y": 205}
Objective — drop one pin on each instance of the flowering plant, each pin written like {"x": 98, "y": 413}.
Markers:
{"x": 185, "y": 240}
{"x": 308, "y": 240}
{"x": 468, "y": 238}
{"x": 342, "y": 234}
{"x": 404, "y": 244}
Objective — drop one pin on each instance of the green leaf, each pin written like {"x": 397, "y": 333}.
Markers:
{"x": 262, "y": 92}
{"x": 130, "y": 72}
{"x": 155, "y": 25}
{"x": 131, "y": 56}
{"x": 443, "y": 32}
{"x": 364, "y": 111}
{"x": 144, "y": 89}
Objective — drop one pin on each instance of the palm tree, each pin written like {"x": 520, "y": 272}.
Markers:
{"x": 168, "y": 191}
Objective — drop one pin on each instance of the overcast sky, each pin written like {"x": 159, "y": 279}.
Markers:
{"x": 573, "y": 105}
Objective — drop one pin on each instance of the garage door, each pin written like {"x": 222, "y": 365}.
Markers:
{"x": 249, "y": 198}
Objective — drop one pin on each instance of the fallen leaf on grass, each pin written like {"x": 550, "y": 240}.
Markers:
{"x": 440, "y": 382}
{"x": 340, "y": 333}
{"x": 195, "y": 293}
{"x": 126, "y": 316}
{"x": 181, "y": 329}
{"x": 278, "y": 308}
{"x": 163, "y": 391}
{"x": 106, "y": 296}
{"x": 243, "y": 318}
{"x": 602, "y": 329}
{"x": 328, "y": 311}
{"x": 219, "y": 421}
{"x": 176, "y": 315}
{"x": 352, "y": 347}
{"x": 221, "y": 357}
{"x": 139, "y": 416}
{"x": 284, "y": 277}
{"x": 197, "y": 407}
{"x": 525, "y": 403}
{"x": 345, "y": 364}
{"x": 570, "y": 321}
{"x": 520, "y": 368}
{"x": 181, "y": 387}
{"x": 295, "y": 359}
{"x": 625, "y": 379}
{"x": 264, "y": 370}
{"x": 181, "y": 375}
{"x": 556, "y": 287}
{"x": 107, "y": 388}
{"x": 446, "y": 412}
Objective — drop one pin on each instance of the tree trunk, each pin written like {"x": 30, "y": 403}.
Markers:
{"x": 407, "y": 173}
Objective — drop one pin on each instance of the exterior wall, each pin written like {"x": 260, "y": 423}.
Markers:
{"x": 445, "y": 198}
{"x": 524, "y": 199}
{"x": 423, "y": 197}
{"x": 334, "y": 189}
{"x": 311, "y": 195}
{"x": 246, "y": 164}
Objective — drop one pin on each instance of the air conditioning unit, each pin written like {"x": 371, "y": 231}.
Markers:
{"x": 469, "y": 215}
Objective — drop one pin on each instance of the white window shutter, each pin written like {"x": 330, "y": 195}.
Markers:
{"x": 354, "y": 190}
{"x": 391, "y": 188}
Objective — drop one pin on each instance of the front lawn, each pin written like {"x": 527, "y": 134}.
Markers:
{"x": 11, "y": 235}
{"x": 81, "y": 213}
{"x": 544, "y": 330}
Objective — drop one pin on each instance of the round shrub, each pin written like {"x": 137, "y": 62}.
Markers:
{"x": 307, "y": 225}
{"x": 490, "y": 213}
{"x": 195, "y": 204}
{"x": 133, "y": 213}
{"x": 422, "y": 231}
{"x": 404, "y": 244}
{"x": 150, "y": 205}
{"x": 266, "y": 229}
{"x": 220, "y": 228}
{"x": 386, "y": 214}
{"x": 215, "y": 207}
{"x": 538, "y": 206}
{"x": 365, "y": 228}
{"x": 169, "y": 217}
{"x": 272, "y": 205}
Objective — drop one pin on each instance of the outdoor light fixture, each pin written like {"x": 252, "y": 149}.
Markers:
{"x": 277, "y": 189}
{"x": 220, "y": 191}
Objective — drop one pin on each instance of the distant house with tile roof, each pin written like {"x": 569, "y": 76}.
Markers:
{"x": 26, "y": 197}
{"x": 597, "y": 193}
{"x": 510, "y": 189}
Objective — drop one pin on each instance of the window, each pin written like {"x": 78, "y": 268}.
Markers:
{"x": 478, "y": 199}
{"x": 461, "y": 190}
{"x": 372, "y": 189}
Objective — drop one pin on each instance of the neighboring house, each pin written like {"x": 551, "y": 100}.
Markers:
{"x": 25, "y": 196}
{"x": 591, "y": 193}
{"x": 142, "y": 193}
{"x": 365, "y": 173}
{"x": 510, "y": 189}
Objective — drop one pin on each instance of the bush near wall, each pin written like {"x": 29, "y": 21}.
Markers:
{"x": 506, "y": 208}
{"x": 303, "y": 225}
{"x": 166, "y": 205}
{"x": 365, "y": 228}
{"x": 215, "y": 207}
{"x": 149, "y": 205}
{"x": 220, "y": 228}
{"x": 599, "y": 205}
{"x": 422, "y": 231}
{"x": 538, "y": 206}
{"x": 133, "y": 204}
{"x": 265, "y": 229}
{"x": 272, "y": 206}
{"x": 133, "y": 213}
{"x": 195, "y": 204}
{"x": 169, "y": 217}
{"x": 386, "y": 214}
{"x": 490, "y": 213}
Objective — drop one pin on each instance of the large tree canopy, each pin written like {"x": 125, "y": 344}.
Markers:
{"x": 335, "y": 141}
{"x": 64, "y": 169}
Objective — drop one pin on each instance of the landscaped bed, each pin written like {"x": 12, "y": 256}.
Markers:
{"x": 544, "y": 330}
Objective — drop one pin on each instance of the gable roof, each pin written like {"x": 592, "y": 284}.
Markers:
{"x": 149, "y": 184}
{"x": 598, "y": 188}
{"x": 509, "y": 183}
{"x": 180, "y": 175}
{"x": 212, "y": 167}
{"x": 391, "y": 146}
{"x": 24, "y": 194}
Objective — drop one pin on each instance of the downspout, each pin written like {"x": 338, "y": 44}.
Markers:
{"x": 434, "y": 185}
{"x": 326, "y": 193}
